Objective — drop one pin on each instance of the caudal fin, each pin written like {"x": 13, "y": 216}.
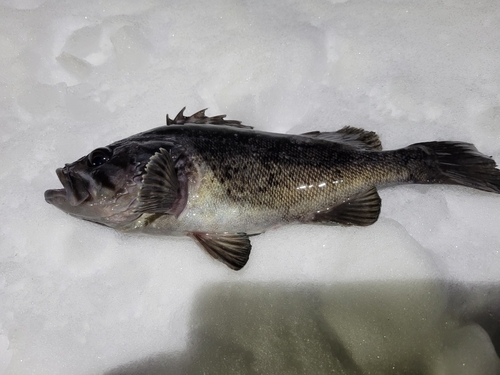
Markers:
{"x": 461, "y": 163}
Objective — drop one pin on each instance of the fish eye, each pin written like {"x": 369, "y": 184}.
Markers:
{"x": 99, "y": 157}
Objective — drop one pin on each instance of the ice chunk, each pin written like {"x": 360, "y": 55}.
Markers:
{"x": 83, "y": 42}
{"x": 76, "y": 66}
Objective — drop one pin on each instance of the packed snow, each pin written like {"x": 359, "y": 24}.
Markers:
{"x": 418, "y": 292}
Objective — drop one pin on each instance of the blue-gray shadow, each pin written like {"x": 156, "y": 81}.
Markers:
{"x": 390, "y": 327}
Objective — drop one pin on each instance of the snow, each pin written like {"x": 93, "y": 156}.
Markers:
{"x": 416, "y": 292}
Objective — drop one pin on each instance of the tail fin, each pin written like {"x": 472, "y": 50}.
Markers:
{"x": 461, "y": 163}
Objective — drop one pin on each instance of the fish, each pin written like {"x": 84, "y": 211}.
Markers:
{"x": 220, "y": 182}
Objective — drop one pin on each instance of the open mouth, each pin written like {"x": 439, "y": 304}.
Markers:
{"x": 74, "y": 192}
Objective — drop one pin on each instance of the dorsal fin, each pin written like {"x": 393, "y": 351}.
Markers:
{"x": 362, "y": 209}
{"x": 232, "y": 249}
{"x": 200, "y": 118}
{"x": 160, "y": 186}
{"x": 350, "y": 136}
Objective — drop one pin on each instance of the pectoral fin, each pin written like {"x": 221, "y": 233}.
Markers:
{"x": 362, "y": 209}
{"x": 160, "y": 186}
{"x": 232, "y": 249}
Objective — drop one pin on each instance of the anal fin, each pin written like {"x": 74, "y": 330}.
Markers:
{"x": 362, "y": 209}
{"x": 232, "y": 249}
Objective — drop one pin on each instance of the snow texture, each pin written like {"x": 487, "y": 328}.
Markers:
{"x": 418, "y": 292}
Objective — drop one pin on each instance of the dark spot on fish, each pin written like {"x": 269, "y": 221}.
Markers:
{"x": 270, "y": 181}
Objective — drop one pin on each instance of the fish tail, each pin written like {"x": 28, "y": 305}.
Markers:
{"x": 459, "y": 163}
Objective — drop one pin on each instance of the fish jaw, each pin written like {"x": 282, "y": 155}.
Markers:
{"x": 74, "y": 193}
{"x": 83, "y": 198}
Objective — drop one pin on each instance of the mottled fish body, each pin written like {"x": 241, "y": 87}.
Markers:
{"x": 219, "y": 182}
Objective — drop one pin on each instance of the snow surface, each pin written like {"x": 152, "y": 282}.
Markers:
{"x": 418, "y": 292}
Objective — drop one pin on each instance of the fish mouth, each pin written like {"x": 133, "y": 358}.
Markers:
{"x": 74, "y": 190}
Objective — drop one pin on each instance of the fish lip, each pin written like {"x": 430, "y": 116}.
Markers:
{"x": 73, "y": 191}
{"x": 54, "y": 194}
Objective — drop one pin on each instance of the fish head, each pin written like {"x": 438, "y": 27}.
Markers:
{"x": 102, "y": 186}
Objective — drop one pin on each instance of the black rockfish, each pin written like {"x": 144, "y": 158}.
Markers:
{"x": 220, "y": 182}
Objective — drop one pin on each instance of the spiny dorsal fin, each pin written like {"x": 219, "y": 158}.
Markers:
{"x": 232, "y": 249}
{"x": 200, "y": 118}
{"x": 160, "y": 186}
{"x": 348, "y": 135}
{"x": 362, "y": 209}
